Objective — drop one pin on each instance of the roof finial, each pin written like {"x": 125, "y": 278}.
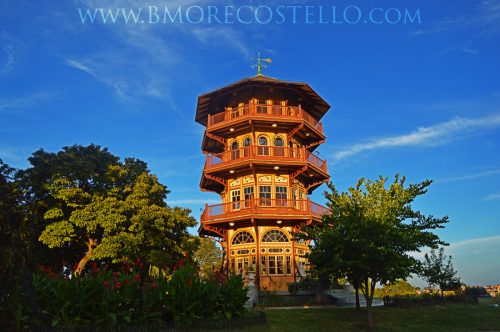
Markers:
{"x": 259, "y": 64}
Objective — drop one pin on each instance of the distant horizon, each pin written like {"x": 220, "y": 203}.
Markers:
{"x": 421, "y": 98}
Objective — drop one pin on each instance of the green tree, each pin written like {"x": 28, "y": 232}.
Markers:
{"x": 370, "y": 232}
{"x": 96, "y": 207}
{"x": 396, "y": 288}
{"x": 16, "y": 293}
{"x": 438, "y": 270}
{"x": 208, "y": 256}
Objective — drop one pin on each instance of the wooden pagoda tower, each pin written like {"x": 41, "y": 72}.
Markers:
{"x": 259, "y": 143}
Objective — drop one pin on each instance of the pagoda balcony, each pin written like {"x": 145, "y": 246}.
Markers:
{"x": 265, "y": 112}
{"x": 263, "y": 209}
{"x": 265, "y": 154}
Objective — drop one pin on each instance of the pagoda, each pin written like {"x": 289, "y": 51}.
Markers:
{"x": 259, "y": 141}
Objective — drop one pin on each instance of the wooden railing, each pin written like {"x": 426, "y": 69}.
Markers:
{"x": 262, "y": 207}
{"x": 255, "y": 152}
{"x": 263, "y": 110}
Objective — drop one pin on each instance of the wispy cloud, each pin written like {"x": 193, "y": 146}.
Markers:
{"x": 492, "y": 197}
{"x": 486, "y": 18}
{"x": 6, "y": 59}
{"x": 439, "y": 134}
{"x": 477, "y": 242}
{"x": 150, "y": 57}
{"x": 14, "y": 104}
{"x": 469, "y": 176}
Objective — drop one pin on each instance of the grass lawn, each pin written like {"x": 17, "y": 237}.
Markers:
{"x": 446, "y": 318}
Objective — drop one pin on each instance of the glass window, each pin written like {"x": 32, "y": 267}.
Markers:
{"x": 247, "y": 196}
{"x": 247, "y": 147}
{"x": 235, "y": 152}
{"x": 288, "y": 265}
{"x": 272, "y": 264}
{"x": 263, "y": 265}
{"x": 279, "y": 150}
{"x": 274, "y": 235}
{"x": 243, "y": 237}
{"x": 279, "y": 265}
{"x": 235, "y": 199}
{"x": 281, "y": 196}
{"x": 265, "y": 195}
{"x": 263, "y": 149}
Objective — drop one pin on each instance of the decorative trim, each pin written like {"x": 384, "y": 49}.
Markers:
{"x": 217, "y": 138}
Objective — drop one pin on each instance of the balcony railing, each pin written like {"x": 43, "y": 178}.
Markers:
{"x": 254, "y": 152}
{"x": 262, "y": 207}
{"x": 263, "y": 110}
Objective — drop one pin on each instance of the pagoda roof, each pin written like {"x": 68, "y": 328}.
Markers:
{"x": 215, "y": 101}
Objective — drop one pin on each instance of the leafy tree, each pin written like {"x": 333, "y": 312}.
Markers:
{"x": 208, "y": 256}
{"x": 396, "y": 288}
{"x": 438, "y": 270}
{"x": 15, "y": 256}
{"x": 370, "y": 232}
{"x": 96, "y": 207}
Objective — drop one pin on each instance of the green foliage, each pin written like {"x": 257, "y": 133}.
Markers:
{"x": 438, "y": 270}
{"x": 305, "y": 284}
{"x": 101, "y": 298}
{"x": 370, "y": 232}
{"x": 104, "y": 298}
{"x": 16, "y": 298}
{"x": 208, "y": 256}
{"x": 85, "y": 200}
{"x": 396, "y": 288}
{"x": 191, "y": 297}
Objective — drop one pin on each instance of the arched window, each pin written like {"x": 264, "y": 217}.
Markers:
{"x": 263, "y": 148}
{"x": 242, "y": 238}
{"x": 235, "y": 152}
{"x": 279, "y": 150}
{"x": 278, "y": 141}
{"x": 274, "y": 235}
{"x": 247, "y": 146}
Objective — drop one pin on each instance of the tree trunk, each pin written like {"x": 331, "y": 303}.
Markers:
{"x": 91, "y": 244}
{"x": 369, "y": 291}
{"x": 358, "y": 305}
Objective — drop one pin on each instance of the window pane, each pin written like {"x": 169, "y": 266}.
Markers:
{"x": 263, "y": 267}
{"x": 279, "y": 261}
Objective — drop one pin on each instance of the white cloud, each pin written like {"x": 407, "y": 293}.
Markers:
{"x": 486, "y": 18}
{"x": 150, "y": 56}
{"x": 11, "y": 105}
{"x": 475, "y": 243}
{"x": 492, "y": 197}
{"x": 469, "y": 176}
{"x": 6, "y": 59}
{"x": 438, "y": 134}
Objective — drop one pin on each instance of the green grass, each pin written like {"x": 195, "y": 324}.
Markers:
{"x": 446, "y": 318}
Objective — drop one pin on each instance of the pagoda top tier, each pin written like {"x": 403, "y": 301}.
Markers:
{"x": 296, "y": 93}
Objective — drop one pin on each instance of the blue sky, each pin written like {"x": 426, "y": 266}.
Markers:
{"x": 420, "y": 99}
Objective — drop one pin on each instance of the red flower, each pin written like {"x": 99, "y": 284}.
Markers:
{"x": 138, "y": 260}
{"x": 41, "y": 267}
{"x": 105, "y": 283}
{"x": 118, "y": 285}
{"x": 140, "y": 266}
{"x": 190, "y": 283}
{"x": 94, "y": 267}
{"x": 137, "y": 278}
{"x": 127, "y": 282}
{"x": 115, "y": 274}
{"x": 154, "y": 285}
{"x": 180, "y": 263}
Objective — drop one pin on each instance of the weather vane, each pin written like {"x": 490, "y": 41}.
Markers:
{"x": 259, "y": 64}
